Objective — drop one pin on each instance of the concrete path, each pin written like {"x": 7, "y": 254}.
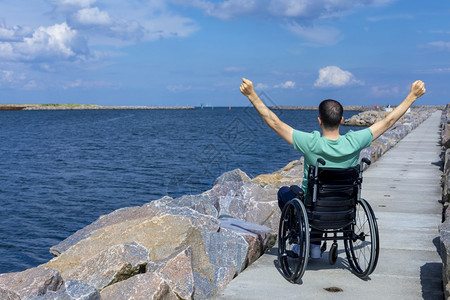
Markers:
{"x": 403, "y": 188}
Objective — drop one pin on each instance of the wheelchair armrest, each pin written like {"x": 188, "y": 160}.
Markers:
{"x": 298, "y": 191}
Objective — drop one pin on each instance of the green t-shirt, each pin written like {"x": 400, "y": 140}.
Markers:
{"x": 342, "y": 153}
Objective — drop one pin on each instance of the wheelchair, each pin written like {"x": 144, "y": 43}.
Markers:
{"x": 332, "y": 210}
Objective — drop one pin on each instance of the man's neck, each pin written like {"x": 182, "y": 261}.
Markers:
{"x": 331, "y": 134}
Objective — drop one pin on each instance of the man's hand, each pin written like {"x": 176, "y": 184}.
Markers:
{"x": 417, "y": 89}
{"x": 247, "y": 87}
{"x": 271, "y": 119}
{"x": 380, "y": 127}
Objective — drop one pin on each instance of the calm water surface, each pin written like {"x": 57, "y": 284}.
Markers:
{"x": 61, "y": 170}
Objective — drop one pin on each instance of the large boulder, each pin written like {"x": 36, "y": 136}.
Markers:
{"x": 70, "y": 290}
{"x": 112, "y": 265}
{"x": 118, "y": 216}
{"x": 112, "y": 253}
{"x": 291, "y": 174}
{"x": 147, "y": 286}
{"x": 177, "y": 271}
{"x": 241, "y": 198}
{"x": 171, "y": 278}
{"x": 31, "y": 282}
{"x": 259, "y": 238}
{"x": 160, "y": 235}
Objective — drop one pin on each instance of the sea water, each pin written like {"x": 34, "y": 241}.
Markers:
{"x": 61, "y": 170}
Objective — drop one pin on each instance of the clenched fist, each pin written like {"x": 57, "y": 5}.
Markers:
{"x": 417, "y": 88}
{"x": 247, "y": 87}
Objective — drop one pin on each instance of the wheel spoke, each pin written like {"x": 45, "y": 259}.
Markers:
{"x": 293, "y": 240}
{"x": 362, "y": 249}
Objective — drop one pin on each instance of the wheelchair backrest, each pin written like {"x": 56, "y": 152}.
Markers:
{"x": 337, "y": 191}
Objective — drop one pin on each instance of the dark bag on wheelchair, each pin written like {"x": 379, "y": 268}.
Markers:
{"x": 337, "y": 191}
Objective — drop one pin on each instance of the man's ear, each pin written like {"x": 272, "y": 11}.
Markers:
{"x": 320, "y": 121}
{"x": 342, "y": 120}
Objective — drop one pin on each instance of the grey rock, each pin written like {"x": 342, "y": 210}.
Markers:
{"x": 259, "y": 238}
{"x": 177, "y": 272}
{"x": 232, "y": 176}
{"x": 71, "y": 290}
{"x": 8, "y": 295}
{"x": 112, "y": 265}
{"x": 147, "y": 286}
{"x": 200, "y": 203}
{"x": 204, "y": 289}
{"x": 118, "y": 216}
{"x": 227, "y": 252}
{"x": 31, "y": 282}
{"x": 161, "y": 235}
{"x": 245, "y": 199}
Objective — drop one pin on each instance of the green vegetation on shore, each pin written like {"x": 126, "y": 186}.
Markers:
{"x": 69, "y": 106}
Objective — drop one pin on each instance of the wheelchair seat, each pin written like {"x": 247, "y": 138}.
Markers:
{"x": 334, "y": 204}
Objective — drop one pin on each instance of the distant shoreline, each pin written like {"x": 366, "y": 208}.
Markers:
{"x": 10, "y": 107}
{"x": 355, "y": 107}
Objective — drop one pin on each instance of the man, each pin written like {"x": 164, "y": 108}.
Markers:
{"x": 339, "y": 151}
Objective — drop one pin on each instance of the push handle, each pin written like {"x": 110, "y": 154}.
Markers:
{"x": 319, "y": 161}
{"x": 366, "y": 161}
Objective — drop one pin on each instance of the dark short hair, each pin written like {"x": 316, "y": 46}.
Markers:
{"x": 331, "y": 112}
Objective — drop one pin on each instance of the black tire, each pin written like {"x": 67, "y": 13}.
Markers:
{"x": 362, "y": 246}
{"x": 377, "y": 244}
{"x": 293, "y": 229}
{"x": 333, "y": 254}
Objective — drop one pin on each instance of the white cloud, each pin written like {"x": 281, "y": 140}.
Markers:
{"x": 93, "y": 16}
{"x": 13, "y": 79}
{"x": 262, "y": 86}
{"x": 14, "y": 33}
{"x": 390, "y": 17}
{"x": 384, "y": 91}
{"x": 299, "y": 17}
{"x": 6, "y": 76}
{"x": 78, "y": 3}
{"x": 333, "y": 76}
{"x": 54, "y": 42}
{"x": 168, "y": 26}
{"x": 286, "y": 85}
{"x": 317, "y": 35}
{"x": 435, "y": 71}
{"x": 58, "y": 40}
{"x": 439, "y": 45}
{"x": 79, "y": 83}
{"x": 304, "y": 10}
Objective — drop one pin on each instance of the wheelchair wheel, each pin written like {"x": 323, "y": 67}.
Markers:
{"x": 333, "y": 255}
{"x": 293, "y": 240}
{"x": 362, "y": 246}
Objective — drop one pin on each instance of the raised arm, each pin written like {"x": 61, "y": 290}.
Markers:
{"x": 417, "y": 90}
{"x": 271, "y": 119}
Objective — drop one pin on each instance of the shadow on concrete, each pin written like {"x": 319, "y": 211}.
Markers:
{"x": 437, "y": 244}
{"x": 317, "y": 264}
{"x": 438, "y": 164}
{"x": 431, "y": 281}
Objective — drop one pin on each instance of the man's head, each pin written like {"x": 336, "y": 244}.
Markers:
{"x": 330, "y": 113}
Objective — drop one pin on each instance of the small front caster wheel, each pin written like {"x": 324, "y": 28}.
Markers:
{"x": 332, "y": 257}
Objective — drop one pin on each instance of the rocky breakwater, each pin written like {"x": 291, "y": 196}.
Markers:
{"x": 184, "y": 248}
{"x": 445, "y": 226}
{"x": 398, "y": 131}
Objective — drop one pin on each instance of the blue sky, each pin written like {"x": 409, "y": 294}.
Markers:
{"x": 173, "y": 52}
